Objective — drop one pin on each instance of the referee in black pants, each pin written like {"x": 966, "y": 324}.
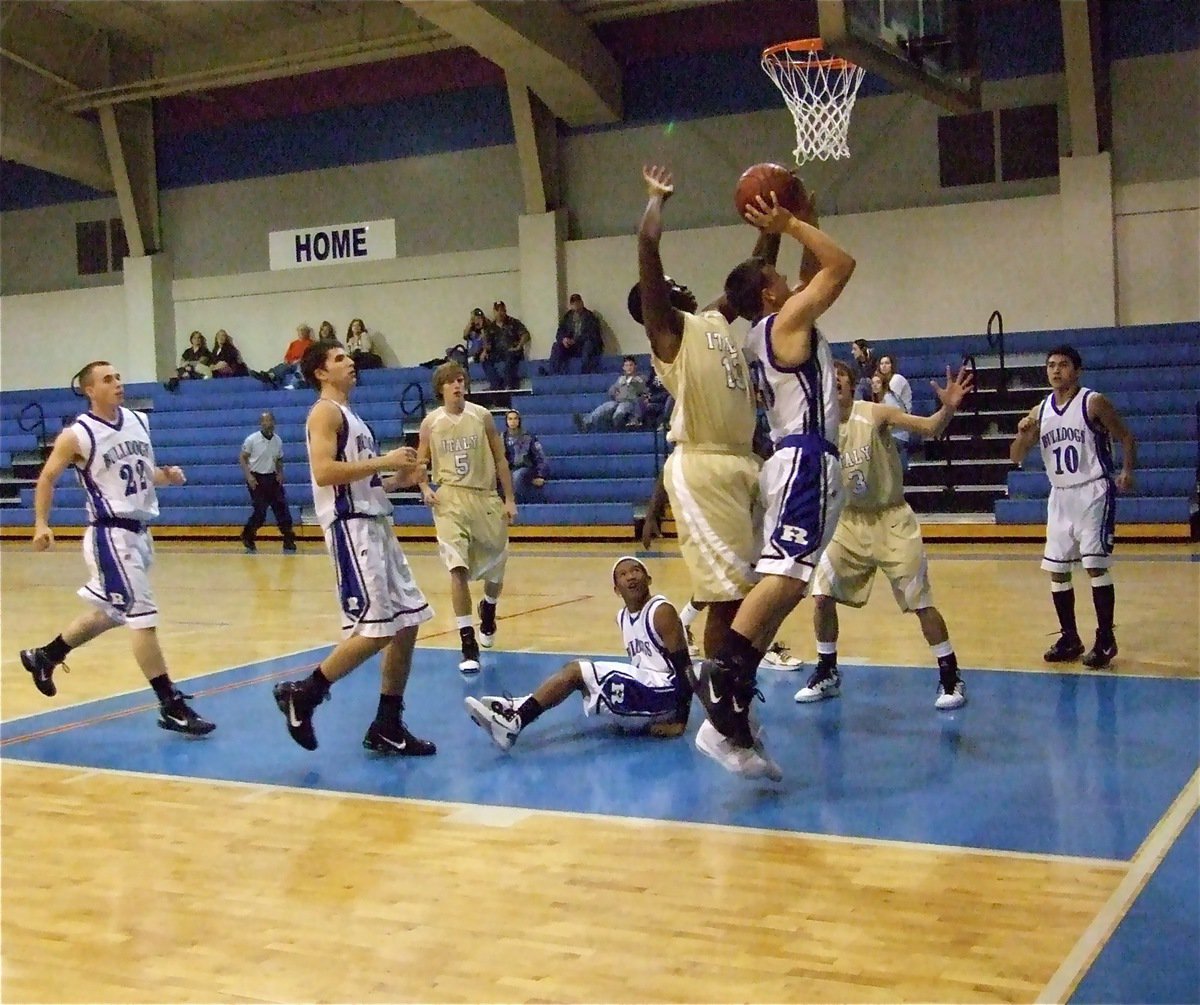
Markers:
{"x": 262, "y": 465}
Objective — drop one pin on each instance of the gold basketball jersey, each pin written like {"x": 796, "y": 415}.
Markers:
{"x": 870, "y": 464}
{"x": 710, "y": 382}
{"x": 458, "y": 445}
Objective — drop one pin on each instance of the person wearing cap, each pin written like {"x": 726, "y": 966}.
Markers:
{"x": 578, "y": 337}
{"x": 476, "y": 334}
{"x": 651, "y": 690}
{"x": 505, "y": 346}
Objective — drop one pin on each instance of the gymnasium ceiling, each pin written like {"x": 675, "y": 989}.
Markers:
{"x": 65, "y": 60}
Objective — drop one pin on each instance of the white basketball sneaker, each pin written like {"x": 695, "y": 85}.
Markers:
{"x": 496, "y": 715}
{"x": 822, "y": 684}
{"x": 748, "y": 762}
{"x": 779, "y": 657}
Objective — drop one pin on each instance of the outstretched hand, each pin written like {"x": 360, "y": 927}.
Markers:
{"x": 770, "y": 217}
{"x": 659, "y": 181}
{"x": 956, "y": 389}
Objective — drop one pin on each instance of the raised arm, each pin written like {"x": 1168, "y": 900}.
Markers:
{"x": 1027, "y": 434}
{"x": 951, "y": 396}
{"x": 64, "y": 453}
{"x": 663, "y": 323}
{"x": 1103, "y": 411}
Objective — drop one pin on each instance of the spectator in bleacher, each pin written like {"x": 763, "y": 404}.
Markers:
{"x": 226, "y": 358}
{"x": 325, "y": 332}
{"x": 360, "y": 347}
{"x": 898, "y": 392}
{"x": 624, "y": 399}
{"x": 194, "y": 362}
{"x": 287, "y": 374}
{"x": 526, "y": 459}
{"x": 864, "y": 361}
{"x": 506, "y": 344}
{"x": 655, "y": 407}
{"x": 262, "y": 466}
{"x": 476, "y": 335}
{"x": 578, "y": 337}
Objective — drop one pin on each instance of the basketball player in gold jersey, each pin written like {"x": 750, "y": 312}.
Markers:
{"x": 711, "y": 477}
{"x": 878, "y": 530}
{"x": 471, "y": 521}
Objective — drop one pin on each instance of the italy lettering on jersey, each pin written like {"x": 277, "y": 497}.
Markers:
{"x": 800, "y": 399}
{"x": 1074, "y": 448}
{"x": 710, "y": 382}
{"x": 643, "y": 645}
{"x": 871, "y": 467}
{"x": 365, "y": 497}
{"x": 118, "y": 467}
{"x": 460, "y": 449}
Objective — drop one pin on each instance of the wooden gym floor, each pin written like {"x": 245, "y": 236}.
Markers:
{"x": 1039, "y": 844}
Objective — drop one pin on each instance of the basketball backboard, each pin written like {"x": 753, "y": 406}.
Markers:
{"x": 924, "y": 46}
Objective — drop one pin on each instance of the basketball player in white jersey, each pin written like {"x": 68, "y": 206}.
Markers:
{"x": 381, "y": 604}
{"x": 878, "y": 531}
{"x": 1075, "y": 428}
{"x": 801, "y": 484}
{"x": 651, "y": 690}
{"x": 110, "y": 450}
{"x": 466, "y": 453}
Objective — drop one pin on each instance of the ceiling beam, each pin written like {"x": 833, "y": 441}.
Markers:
{"x": 39, "y": 136}
{"x": 542, "y": 45}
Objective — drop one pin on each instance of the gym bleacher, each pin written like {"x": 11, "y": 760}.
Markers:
{"x": 963, "y": 484}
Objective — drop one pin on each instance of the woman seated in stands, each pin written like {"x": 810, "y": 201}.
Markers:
{"x": 526, "y": 460}
{"x": 226, "y": 357}
{"x": 326, "y": 331}
{"x": 194, "y": 362}
{"x": 358, "y": 345}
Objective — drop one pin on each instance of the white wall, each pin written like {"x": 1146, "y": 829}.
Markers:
{"x": 46, "y": 337}
{"x": 929, "y": 271}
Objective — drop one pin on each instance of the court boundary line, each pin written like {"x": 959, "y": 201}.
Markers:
{"x": 1142, "y": 866}
{"x": 456, "y": 806}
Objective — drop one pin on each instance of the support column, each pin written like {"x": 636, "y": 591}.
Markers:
{"x": 542, "y": 246}
{"x": 1089, "y": 242}
{"x": 150, "y": 318}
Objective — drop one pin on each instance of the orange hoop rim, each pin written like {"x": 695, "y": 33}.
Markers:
{"x": 808, "y": 45}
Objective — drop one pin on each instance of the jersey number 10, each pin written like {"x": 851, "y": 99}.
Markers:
{"x": 1066, "y": 457}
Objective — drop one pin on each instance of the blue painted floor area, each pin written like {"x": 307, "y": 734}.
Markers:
{"x": 1067, "y": 764}
{"x": 1161, "y": 933}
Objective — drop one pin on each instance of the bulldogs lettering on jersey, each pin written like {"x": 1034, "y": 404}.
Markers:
{"x": 365, "y": 497}
{"x": 118, "y": 466}
{"x": 643, "y": 645}
{"x": 1074, "y": 449}
{"x": 800, "y": 399}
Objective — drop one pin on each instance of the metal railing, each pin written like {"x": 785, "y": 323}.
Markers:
{"x": 407, "y": 406}
{"x": 996, "y": 341}
{"x": 33, "y": 420}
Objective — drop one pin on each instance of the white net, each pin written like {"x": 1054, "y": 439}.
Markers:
{"x": 820, "y": 93}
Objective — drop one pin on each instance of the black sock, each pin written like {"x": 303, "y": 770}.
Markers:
{"x": 391, "y": 708}
{"x": 948, "y": 665}
{"x": 1105, "y": 599}
{"x": 530, "y": 709}
{"x": 1064, "y": 607}
{"x": 57, "y": 650}
{"x": 467, "y": 635}
{"x": 738, "y": 654}
{"x": 317, "y": 685}
{"x": 164, "y": 690}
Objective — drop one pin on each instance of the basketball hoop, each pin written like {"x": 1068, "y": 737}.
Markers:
{"x": 819, "y": 90}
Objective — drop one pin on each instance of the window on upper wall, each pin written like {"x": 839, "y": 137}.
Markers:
{"x": 100, "y": 246}
{"x": 1011, "y": 144}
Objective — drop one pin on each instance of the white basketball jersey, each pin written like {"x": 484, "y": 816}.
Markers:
{"x": 1074, "y": 449}
{"x": 118, "y": 466}
{"x": 365, "y": 497}
{"x": 798, "y": 400}
{"x": 643, "y": 645}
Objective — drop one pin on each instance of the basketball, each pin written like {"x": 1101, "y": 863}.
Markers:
{"x": 763, "y": 179}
